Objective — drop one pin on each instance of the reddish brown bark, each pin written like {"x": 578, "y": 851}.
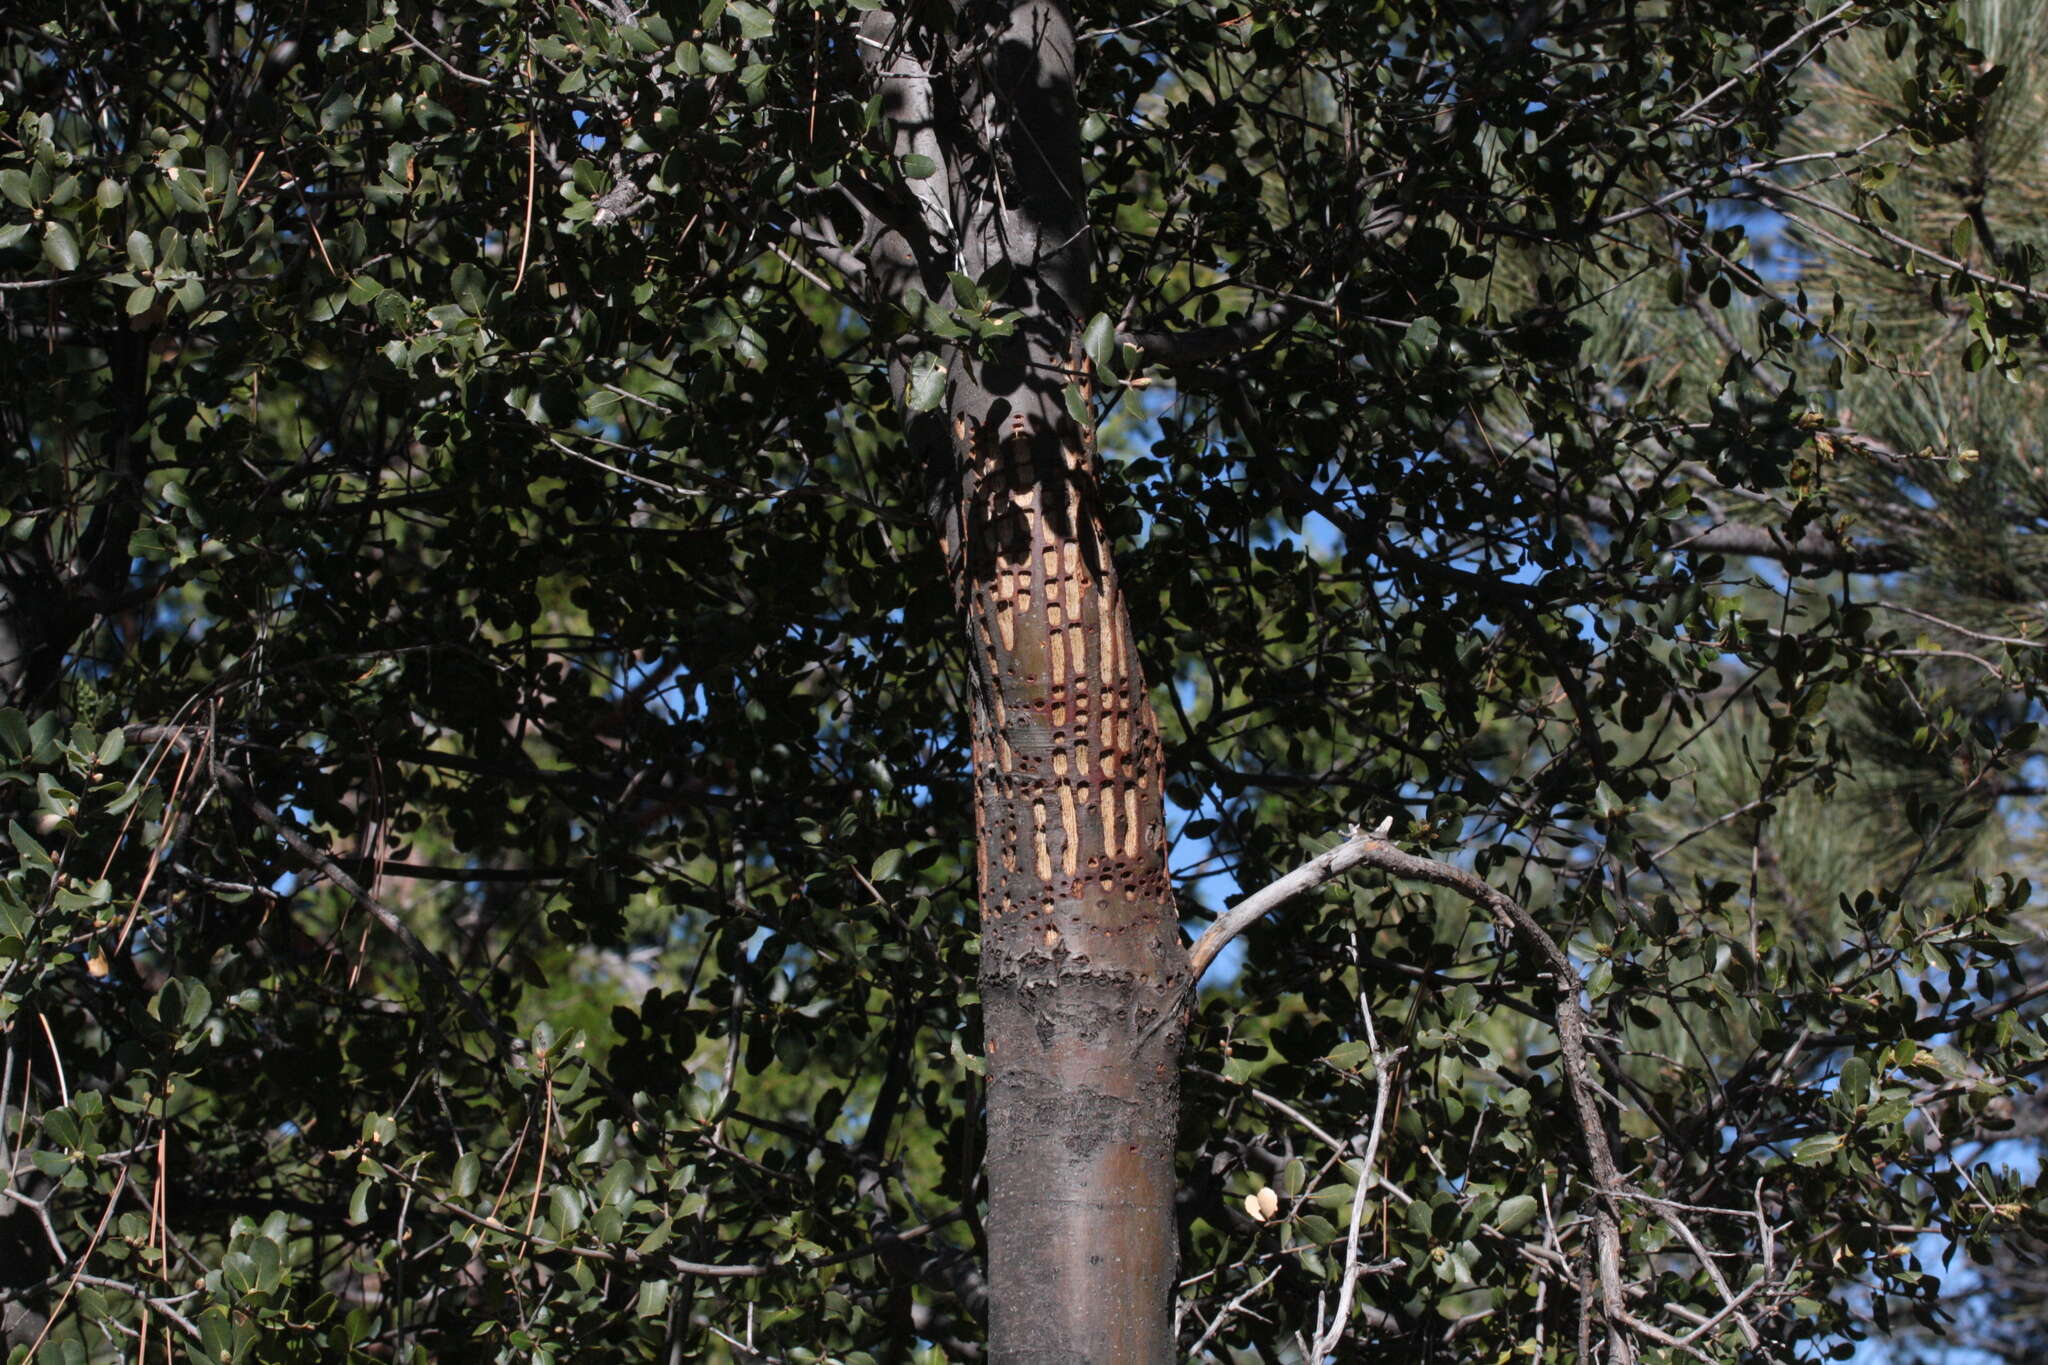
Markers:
{"x": 1083, "y": 969}
{"x": 1083, "y": 966}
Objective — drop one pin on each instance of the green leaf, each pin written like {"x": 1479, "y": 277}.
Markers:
{"x": 14, "y": 185}
{"x": 966, "y": 293}
{"x": 1465, "y": 1303}
{"x": 471, "y": 287}
{"x": 1854, "y": 1083}
{"x": 885, "y": 865}
{"x": 1334, "y": 1196}
{"x": 14, "y": 732}
{"x": 26, "y": 845}
{"x": 62, "y": 1128}
{"x": 754, "y": 21}
{"x": 238, "y": 1271}
{"x": 918, "y": 166}
{"x": 1076, "y": 405}
{"x": 1099, "y": 342}
{"x": 141, "y": 251}
{"x": 927, "y": 386}
{"x": 60, "y": 248}
{"x": 1351, "y": 1056}
{"x": 339, "y": 109}
{"x": 467, "y": 1172}
{"x": 1317, "y": 1229}
{"x": 269, "y": 1262}
{"x": 359, "y": 1201}
{"x": 1816, "y": 1149}
{"x": 639, "y": 40}
{"x": 565, "y": 1208}
{"x": 1515, "y": 1212}
{"x": 198, "y": 1003}
{"x": 653, "y": 1299}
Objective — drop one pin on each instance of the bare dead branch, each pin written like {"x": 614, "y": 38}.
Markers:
{"x": 1224, "y": 1313}
{"x": 2014, "y": 641}
{"x": 1383, "y": 1085}
{"x": 1515, "y": 922}
{"x": 1322, "y": 868}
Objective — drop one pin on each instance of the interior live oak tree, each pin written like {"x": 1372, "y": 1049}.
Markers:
{"x": 613, "y": 615}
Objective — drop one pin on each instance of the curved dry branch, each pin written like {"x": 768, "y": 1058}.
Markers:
{"x": 1573, "y": 1025}
{"x": 1322, "y": 868}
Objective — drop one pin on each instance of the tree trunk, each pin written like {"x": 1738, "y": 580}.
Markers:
{"x": 1082, "y": 964}
{"x": 1083, "y": 967}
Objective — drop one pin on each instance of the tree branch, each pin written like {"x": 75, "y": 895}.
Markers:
{"x": 435, "y": 965}
{"x": 906, "y": 86}
{"x": 1207, "y": 343}
{"x": 426, "y": 872}
{"x": 1572, "y": 1023}
{"x": 1383, "y": 1085}
{"x": 1324, "y": 867}
{"x": 1815, "y": 548}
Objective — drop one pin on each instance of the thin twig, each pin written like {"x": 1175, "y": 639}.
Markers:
{"x": 457, "y": 72}
{"x": 432, "y": 961}
{"x": 63, "y": 1090}
{"x": 2017, "y": 642}
{"x": 1223, "y": 1313}
{"x": 1513, "y": 920}
{"x": 1765, "y": 59}
{"x": 99, "y": 1231}
{"x": 1383, "y": 1064}
{"x": 526, "y": 229}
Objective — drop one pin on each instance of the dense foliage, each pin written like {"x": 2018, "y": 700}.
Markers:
{"x": 492, "y": 862}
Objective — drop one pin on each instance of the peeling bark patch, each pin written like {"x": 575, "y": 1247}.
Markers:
{"x": 1083, "y": 967}
{"x": 1066, "y": 745}
{"x": 1088, "y": 1120}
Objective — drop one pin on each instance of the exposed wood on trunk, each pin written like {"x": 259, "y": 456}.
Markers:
{"x": 1083, "y": 969}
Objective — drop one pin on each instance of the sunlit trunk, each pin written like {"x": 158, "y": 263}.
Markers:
{"x": 1082, "y": 962}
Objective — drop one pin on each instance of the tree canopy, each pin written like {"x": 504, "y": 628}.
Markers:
{"x": 488, "y": 756}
